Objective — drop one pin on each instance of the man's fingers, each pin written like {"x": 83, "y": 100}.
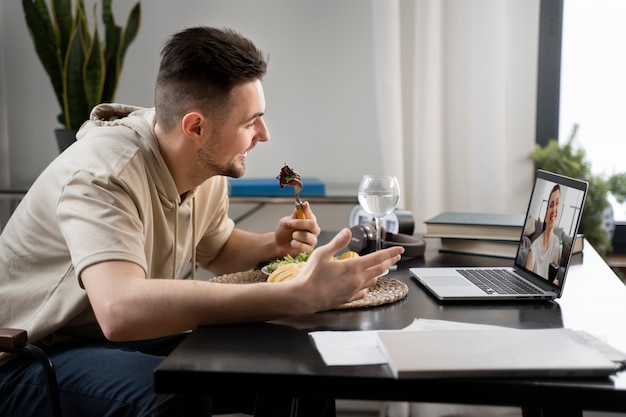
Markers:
{"x": 337, "y": 243}
{"x": 388, "y": 256}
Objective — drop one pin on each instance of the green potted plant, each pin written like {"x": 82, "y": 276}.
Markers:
{"x": 570, "y": 160}
{"x": 84, "y": 70}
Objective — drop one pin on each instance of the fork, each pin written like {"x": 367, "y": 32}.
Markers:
{"x": 297, "y": 188}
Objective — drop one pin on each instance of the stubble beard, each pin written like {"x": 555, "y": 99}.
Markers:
{"x": 235, "y": 171}
{"x": 210, "y": 167}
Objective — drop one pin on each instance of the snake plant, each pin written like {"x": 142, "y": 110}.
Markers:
{"x": 84, "y": 70}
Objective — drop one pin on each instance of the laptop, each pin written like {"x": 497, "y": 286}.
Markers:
{"x": 543, "y": 278}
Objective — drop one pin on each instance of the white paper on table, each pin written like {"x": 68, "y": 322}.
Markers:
{"x": 348, "y": 347}
{"x": 426, "y": 324}
{"x": 344, "y": 348}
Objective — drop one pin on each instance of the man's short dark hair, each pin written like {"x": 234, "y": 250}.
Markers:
{"x": 199, "y": 68}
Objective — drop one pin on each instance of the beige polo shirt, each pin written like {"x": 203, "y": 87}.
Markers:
{"x": 107, "y": 197}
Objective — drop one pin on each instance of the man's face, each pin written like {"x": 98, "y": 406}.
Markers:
{"x": 228, "y": 146}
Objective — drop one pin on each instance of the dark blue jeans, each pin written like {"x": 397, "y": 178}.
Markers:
{"x": 115, "y": 379}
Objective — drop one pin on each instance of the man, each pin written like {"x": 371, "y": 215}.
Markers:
{"x": 92, "y": 255}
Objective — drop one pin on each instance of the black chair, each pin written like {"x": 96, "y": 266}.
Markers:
{"x": 16, "y": 341}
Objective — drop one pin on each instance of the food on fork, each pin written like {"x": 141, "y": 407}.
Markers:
{"x": 288, "y": 176}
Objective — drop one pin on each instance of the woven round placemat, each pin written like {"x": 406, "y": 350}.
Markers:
{"x": 385, "y": 291}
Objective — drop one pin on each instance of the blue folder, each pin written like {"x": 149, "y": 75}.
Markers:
{"x": 270, "y": 187}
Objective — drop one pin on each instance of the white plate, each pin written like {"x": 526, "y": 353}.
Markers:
{"x": 266, "y": 271}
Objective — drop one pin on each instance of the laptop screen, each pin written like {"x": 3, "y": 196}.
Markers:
{"x": 551, "y": 225}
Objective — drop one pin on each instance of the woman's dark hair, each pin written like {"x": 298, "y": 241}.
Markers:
{"x": 199, "y": 68}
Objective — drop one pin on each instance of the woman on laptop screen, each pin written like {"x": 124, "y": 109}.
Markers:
{"x": 545, "y": 251}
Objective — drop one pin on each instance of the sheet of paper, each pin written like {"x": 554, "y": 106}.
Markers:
{"x": 348, "y": 348}
{"x": 466, "y": 353}
{"x": 426, "y": 324}
{"x": 344, "y": 348}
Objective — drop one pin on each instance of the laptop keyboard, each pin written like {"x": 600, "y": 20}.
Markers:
{"x": 498, "y": 281}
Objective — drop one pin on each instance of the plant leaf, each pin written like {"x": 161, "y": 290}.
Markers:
{"x": 75, "y": 105}
{"x": 112, "y": 38}
{"x": 130, "y": 32}
{"x": 83, "y": 71}
{"x": 62, "y": 14}
{"x": 94, "y": 70}
{"x": 43, "y": 35}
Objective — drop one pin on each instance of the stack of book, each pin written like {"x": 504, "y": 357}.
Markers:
{"x": 489, "y": 234}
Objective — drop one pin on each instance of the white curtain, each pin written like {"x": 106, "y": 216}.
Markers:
{"x": 387, "y": 70}
{"x": 456, "y": 85}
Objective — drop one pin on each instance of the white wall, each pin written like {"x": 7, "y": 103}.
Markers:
{"x": 319, "y": 87}
{"x": 459, "y": 111}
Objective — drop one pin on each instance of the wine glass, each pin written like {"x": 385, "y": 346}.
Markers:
{"x": 378, "y": 195}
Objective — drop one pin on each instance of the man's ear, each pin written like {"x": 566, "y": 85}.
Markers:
{"x": 194, "y": 125}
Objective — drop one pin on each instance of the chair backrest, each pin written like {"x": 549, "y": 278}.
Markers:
{"x": 16, "y": 341}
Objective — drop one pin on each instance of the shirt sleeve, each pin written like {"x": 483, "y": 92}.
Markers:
{"x": 100, "y": 221}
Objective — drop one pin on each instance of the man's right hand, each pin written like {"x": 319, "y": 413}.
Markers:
{"x": 331, "y": 282}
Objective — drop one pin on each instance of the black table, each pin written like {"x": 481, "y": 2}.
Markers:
{"x": 267, "y": 357}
